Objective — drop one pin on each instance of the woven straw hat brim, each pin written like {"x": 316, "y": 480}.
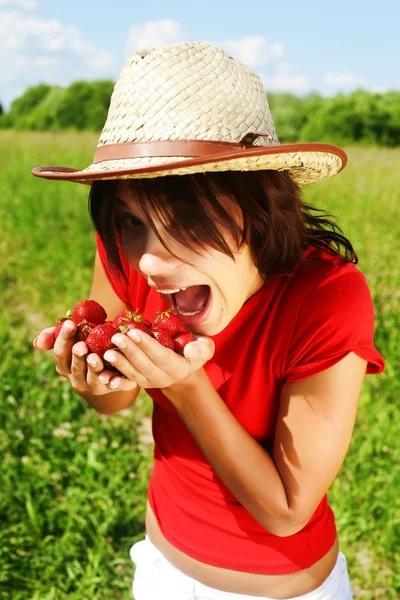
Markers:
{"x": 306, "y": 163}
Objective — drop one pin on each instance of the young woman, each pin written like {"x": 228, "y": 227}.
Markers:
{"x": 197, "y": 206}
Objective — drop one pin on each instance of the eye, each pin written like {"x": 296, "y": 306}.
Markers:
{"x": 128, "y": 221}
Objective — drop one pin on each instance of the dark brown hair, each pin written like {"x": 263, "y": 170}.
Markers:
{"x": 277, "y": 224}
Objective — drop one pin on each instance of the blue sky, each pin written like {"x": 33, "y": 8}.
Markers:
{"x": 293, "y": 46}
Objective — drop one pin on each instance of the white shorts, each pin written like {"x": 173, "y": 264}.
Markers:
{"x": 156, "y": 579}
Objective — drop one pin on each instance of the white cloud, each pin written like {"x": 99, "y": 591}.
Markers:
{"x": 253, "y": 50}
{"x": 286, "y": 78}
{"x": 29, "y": 45}
{"x": 21, "y": 4}
{"x": 343, "y": 80}
{"x": 153, "y": 34}
{"x": 46, "y": 61}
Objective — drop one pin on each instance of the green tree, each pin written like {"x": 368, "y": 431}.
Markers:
{"x": 84, "y": 105}
{"x": 345, "y": 119}
{"x": 389, "y": 104}
{"x": 44, "y": 117}
{"x": 288, "y": 114}
{"x": 23, "y": 106}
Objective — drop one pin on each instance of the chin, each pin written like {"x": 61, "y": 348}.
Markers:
{"x": 209, "y": 330}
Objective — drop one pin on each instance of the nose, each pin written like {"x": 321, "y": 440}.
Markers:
{"x": 156, "y": 259}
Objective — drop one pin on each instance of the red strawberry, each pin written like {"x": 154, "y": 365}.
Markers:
{"x": 128, "y": 316}
{"x": 168, "y": 321}
{"x": 99, "y": 339}
{"x": 84, "y": 328}
{"x": 164, "y": 338}
{"x": 133, "y": 325}
{"x": 58, "y": 327}
{"x": 180, "y": 340}
{"x": 90, "y": 310}
{"x": 125, "y": 317}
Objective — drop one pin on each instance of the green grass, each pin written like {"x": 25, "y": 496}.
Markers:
{"x": 74, "y": 482}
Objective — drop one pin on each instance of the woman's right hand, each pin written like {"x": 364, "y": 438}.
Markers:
{"x": 74, "y": 362}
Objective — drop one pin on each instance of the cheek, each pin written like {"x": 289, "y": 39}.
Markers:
{"x": 132, "y": 247}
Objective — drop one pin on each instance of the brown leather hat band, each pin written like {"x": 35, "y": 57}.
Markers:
{"x": 189, "y": 148}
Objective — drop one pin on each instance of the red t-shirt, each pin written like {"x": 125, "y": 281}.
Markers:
{"x": 290, "y": 329}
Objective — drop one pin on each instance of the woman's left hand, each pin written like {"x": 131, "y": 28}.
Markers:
{"x": 152, "y": 365}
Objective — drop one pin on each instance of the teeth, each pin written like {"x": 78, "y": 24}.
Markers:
{"x": 189, "y": 314}
{"x": 171, "y": 291}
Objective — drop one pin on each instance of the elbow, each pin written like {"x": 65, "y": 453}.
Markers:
{"x": 284, "y": 526}
{"x": 287, "y": 529}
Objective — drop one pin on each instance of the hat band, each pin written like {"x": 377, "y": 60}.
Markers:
{"x": 189, "y": 148}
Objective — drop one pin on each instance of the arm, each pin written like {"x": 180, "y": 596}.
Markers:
{"x": 312, "y": 435}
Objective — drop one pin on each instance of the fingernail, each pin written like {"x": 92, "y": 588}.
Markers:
{"x": 91, "y": 361}
{"x": 78, "y": 353}
{"x": 104, "y": 378}
{"x": 68, "y": 328}
{"x": 110, "y": 357}
{"x": 193, "y": 352}
{"x": 34, "y": 342}
{"x": 119, "y": 340}
{"x": 114, "y": 384}
{"x": 133, "y": 334}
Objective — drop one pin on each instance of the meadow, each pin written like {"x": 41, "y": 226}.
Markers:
{"x": 73, "y": 485}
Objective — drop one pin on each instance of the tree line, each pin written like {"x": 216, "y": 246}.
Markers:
{"x": 359, "y": 117}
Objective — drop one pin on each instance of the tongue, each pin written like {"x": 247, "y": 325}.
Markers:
{"x": 193, "y": 299}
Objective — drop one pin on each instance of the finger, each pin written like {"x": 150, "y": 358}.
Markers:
{"x": 141, "y": 372}
{"x": 99, "y": 379}
{"x": 147, "y": 358}
{"x": 79, "y": 365}
{"x": 202, "y": 349}
{"x": 45, "y": 339}
{"x": 63, "y": 347}
{"x": 121, "y": 384}
{"x": 95, "y": 366}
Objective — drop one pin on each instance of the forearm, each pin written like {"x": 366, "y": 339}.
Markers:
{"x": 237, "y": 458}
{"x": 111, "y": 403}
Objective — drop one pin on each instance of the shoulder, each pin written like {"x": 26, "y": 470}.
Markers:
{"x": 331, "y": 314}
{"x": 324, "y": 269}
{"x": 321, "y": 281}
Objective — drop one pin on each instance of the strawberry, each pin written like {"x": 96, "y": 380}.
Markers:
{"x": 164, "y": 338}
{"x": 99, "y": 339}
{"x": 84, "y": 328}
{"x": 128, "y": 316}
{"x": 58, "y": 327}
{"x": 180, "y": 340}
{"x": 125, "y": 317}
{"x": 168, "y": 321}
{"x": 90, "y": 310}
{"x": 134, "y": 325}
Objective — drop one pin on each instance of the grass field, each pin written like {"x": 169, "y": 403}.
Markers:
{"x": 74, "y": 482}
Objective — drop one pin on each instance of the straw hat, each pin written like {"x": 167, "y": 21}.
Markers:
{"x": 190, "y": 108}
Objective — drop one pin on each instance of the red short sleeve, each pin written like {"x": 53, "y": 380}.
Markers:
{"x": 336, "y": 318}
{"x": 119, "y": 284}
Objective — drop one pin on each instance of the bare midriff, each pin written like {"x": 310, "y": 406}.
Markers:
{"x": 239, "y": 582}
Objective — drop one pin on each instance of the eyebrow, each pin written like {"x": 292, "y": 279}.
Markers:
{"x": 121, "y": 201}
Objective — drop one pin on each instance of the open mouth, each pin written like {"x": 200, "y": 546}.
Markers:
{"x": 192, "y": 305}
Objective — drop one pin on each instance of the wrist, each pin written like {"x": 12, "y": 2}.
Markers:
{"x": 185, "y": 390}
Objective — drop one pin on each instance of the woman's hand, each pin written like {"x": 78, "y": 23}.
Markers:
{"x": 146, "y": 364}
{"x": 152, "y": 365}
{"x": 84, "y": 370}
